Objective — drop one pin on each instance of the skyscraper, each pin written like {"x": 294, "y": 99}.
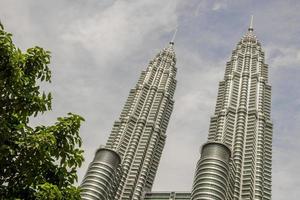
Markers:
{"x": 125, "y": 168}
{"x": 236, "y": 161}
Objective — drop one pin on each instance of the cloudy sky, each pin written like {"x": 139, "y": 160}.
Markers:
{"x": 99, "y": 48}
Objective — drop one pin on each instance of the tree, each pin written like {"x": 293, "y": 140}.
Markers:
{"x": 35, "y": 162}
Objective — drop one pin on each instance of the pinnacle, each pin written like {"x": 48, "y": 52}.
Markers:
{"x": 170, "y": 49}
{"x": 251, "y": 24}
{"x": 250, "y": 33}
{"x": 174, "y": 35}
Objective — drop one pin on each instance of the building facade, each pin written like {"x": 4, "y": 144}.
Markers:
{"x": 137, "y": 137}
{"x": 235, "y": 162}
{"x": 242, "y": 122}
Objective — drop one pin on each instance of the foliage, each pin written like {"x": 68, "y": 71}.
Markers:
{"x": 35, "y": 162}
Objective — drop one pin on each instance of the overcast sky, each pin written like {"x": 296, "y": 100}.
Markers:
{"x": 99, "y": 48}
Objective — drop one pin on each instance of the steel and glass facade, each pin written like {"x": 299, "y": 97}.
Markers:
{"x": 212, "y": 174}
{"x": 139, "y": 135}
{"x": 101, "y": 179}
{"x": 242, "y": 121}
{"x": 235, "y": 163}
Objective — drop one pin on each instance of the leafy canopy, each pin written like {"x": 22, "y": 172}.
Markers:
{"x": 35, "y": 162}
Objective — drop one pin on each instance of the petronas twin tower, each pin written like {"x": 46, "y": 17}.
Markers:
{"x": 125, "y": 168}
{"x": 235, "y": 163}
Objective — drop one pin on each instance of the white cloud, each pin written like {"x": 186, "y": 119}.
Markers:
{"x": 204, "y": 6}
{"x": 219, "y": 5}
{"x": 122, "y": 28}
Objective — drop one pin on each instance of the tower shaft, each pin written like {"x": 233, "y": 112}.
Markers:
{"x": 242, "y": 120}
{"x": 139, "y": 134}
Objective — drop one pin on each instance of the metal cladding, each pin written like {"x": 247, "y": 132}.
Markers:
{"x": 242, "y": 120}
{"x": 212, "y": 172}
{"x": 100, "y": 178}
{"x": 139, "y": 134}
{"x": 236, "y": 161}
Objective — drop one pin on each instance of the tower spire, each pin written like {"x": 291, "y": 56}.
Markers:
{"x": 174, "y": 35}
{"x": 251, "y": 24}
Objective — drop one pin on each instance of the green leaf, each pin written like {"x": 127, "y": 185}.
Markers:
{"x": 36, "y": 162}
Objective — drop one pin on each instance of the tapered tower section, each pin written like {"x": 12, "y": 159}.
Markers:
{"x": 242, "y": 119}
{"x": 139, "y": 135}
